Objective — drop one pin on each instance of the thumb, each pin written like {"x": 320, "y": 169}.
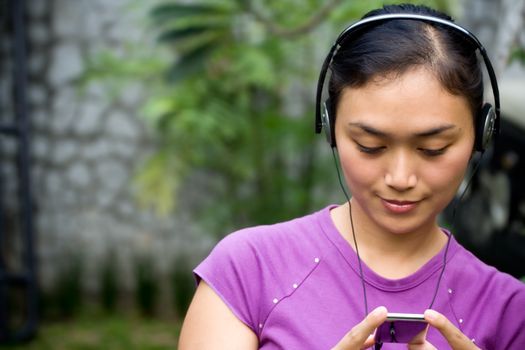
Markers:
{"x": 454, "y": 336}
{"x": 356, "y": 338}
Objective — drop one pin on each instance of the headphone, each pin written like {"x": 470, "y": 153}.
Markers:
{"x": 487, "y": 122}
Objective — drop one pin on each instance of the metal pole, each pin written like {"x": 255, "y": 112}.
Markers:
{"x": 24, "y": 166}
{"x": 3, "y": 270}
{"x": 4, "y": 129}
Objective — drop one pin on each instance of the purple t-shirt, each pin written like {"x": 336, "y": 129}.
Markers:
{"x": 296, "y": 285}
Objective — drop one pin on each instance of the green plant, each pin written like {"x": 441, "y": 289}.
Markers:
{"x": 67, "y": 294}
{"x": 146, "y": 285}
{"x": 93, "y": 329}
{"x": 238, "y": 107}
{"x": 518, "y": 54}
{"x": 109, "y": 283}
{"x": 183, "y": 286}
{"x": 235, "y": 108}
{"x": 223, "y": 114}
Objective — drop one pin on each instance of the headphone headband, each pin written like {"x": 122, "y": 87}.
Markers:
{"x": 389, "y": 16}
{"x": 407, "y": 16}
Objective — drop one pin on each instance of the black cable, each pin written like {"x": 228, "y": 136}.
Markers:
{"x": 353, "y": 231}
{"x": 456, "y": 203}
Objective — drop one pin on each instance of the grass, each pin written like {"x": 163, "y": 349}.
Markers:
{"x": 101, "y": 331}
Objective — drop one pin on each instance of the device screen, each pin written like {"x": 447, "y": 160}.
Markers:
{"x": 400, "y": 328}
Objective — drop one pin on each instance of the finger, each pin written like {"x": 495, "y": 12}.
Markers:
{"x": 370, "y": 341}
{"x": 356, "y": 338}
{"x": 455, "y": 338}
{"x": 425, "y": 346}
{"x": 420, "y": 338}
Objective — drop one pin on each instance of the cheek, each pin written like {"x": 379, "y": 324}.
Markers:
{"x": 447, "y": 177}
{"x": 358, "y": 173}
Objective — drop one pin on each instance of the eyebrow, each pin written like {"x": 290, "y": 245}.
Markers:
{"x": 376, "y": 132}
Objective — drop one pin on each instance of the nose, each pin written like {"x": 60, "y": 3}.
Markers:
{"x": 400, "y": 174}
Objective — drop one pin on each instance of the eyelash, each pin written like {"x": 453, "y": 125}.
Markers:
{"x": 426, "y": 152}
{"x": 369, "y": 150}
{"x": 433, "y": 152}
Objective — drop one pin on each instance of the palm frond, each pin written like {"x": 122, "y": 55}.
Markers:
{"x": 191, "y": 62}
{"x": 169, "y": 12}
{"x": 185, "y": 33}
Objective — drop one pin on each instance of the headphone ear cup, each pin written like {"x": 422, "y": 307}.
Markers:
{"x": 328, "y": 122}
{"x": 485, "y": 127}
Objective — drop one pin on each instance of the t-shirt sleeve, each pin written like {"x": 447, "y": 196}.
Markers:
{"x": 254, "y": 269}
{"x": 232, "y": 270}
{"x": 512, "y": 321}
{"x": 489, "y": 303}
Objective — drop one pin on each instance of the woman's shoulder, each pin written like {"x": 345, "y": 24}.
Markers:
{"x": 470, "y": 267}
{"x": 254, "y": 268}
{"x": 298, "y": 235}
{"x": 494, "y": 299}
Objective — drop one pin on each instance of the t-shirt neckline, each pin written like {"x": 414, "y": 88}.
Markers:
{"x": 431, "y": 267}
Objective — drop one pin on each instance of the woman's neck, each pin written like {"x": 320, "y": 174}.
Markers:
{"x": 391, "y": 255}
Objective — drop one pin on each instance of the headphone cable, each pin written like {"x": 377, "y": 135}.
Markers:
{"x": 353, "y": 231}
{"x": 456, "y": 203}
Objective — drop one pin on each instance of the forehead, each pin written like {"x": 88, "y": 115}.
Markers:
{"x": 415, "y": 98}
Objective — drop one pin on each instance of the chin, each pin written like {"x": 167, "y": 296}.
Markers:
{"x": 403, "y": 226}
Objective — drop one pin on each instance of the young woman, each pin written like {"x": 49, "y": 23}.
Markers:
{"x": 405, "y": 103}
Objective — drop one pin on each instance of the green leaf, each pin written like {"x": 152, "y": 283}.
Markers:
{"x": 166, "y": 12}
{"x": 176, "y": 34}
{"x": 154, "y": 188}
{"x": 255, "y": 67}
{"x": 190, "y": 63}
{"x": 518, "y": 54}
{"x": 157, "y": 108}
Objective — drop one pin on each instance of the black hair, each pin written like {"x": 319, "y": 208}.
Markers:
{"x": 391, "y": 48}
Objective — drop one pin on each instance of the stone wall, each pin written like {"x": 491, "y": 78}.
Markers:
{"x": 87, "y": 145}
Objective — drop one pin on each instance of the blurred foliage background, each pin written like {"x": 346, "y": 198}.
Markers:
{"x": 235, "y": 103}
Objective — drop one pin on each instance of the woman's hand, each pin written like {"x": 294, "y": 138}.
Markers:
{"x": 455, "y": 338}
{"x": 361, "y": 336}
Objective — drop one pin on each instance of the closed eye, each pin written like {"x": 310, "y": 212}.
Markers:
{"x": 433, "y": 152}
{"x": 369, "y": 150}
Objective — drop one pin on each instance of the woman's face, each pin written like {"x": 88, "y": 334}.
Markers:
{"x": 404, "y": 145}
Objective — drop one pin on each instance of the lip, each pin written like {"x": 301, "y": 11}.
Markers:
{"x": 399, "y": 206}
